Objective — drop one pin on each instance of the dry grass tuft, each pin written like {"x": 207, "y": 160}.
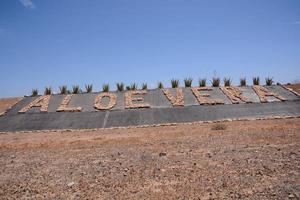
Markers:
{"x": 219, "y": 126}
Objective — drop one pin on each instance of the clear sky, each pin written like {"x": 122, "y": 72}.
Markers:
{"x": 58, "y": 42}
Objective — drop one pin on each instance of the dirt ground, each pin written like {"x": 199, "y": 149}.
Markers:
{"x": 6, "y": 103}
{"x": 295, "y": 87}
{"x": 247, "y": 160}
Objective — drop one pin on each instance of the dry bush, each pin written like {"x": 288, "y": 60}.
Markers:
{"x": 218, "y": 126}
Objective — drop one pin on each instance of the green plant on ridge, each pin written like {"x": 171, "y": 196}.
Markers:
{"x": 105, "y": 88}
{"x": 175, "y": 83}
{"x": 63, "y": 89}
{"x": 202, "y": 82}
{"x": 227, "y": 81}
{"x": 188, "y": 82}
{"x": 48, "y": 90}
{"x": 256, "y": 80}
{"x": 88, "y": 88}
{"x": 215, "y": 82}
{"x": 34, "y": 92}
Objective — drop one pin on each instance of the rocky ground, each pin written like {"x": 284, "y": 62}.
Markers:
{"x": 247, "y": 160}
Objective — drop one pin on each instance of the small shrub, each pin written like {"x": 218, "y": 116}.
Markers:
{"x": 269, "y": 81}
{"x": 202, "y": 82}
{"x": 243, "y": 82}
{"x": 175, "y": 83}
{"x": 34, "y": 92}
{"x": 133, "y": 86}
{"x": 120, "y": 86}
{"x": 63, "y": 89}
{"x": 48, "y": 91}
{"x": 256, "y": 80}
{"x": 219, "y": 126}
{"x": 88, "y": 88}
{"x": 75, "y": 89}
{"x": 278, "y": 83}
{"x": 144, "y": 86}
{"x": 215, "y": 82}
{"x": 160, "y": 85}
{"x": 227, "y": 81}
{"x": 188, "y": 82}
{"x": 105, "y": 88}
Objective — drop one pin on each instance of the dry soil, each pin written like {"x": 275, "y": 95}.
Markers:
{"x": 247, "y": 160}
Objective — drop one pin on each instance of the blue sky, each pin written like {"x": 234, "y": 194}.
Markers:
{"x": 68, "y": 42}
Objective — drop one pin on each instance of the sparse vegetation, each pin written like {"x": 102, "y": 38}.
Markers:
{"x": 105, "y": 88}
{"x": 218, "y": 126}
{"x": 256, "y": 80}
{"x": 88, "y": 88}
{"x": 202, "y": 82}
{"x": 243, "y": 82}
{"x": 120, "y": 87}
{"x": 75, "y": 89}
{"x": 34, "y": 92}
{"x": 63, "y": 89}
{"x": 175, "y": 83}
{"x": 269, "y": 81}
{"x": 215, "y": 82}
{"x": 133, "y": 86}
{"x": 188, "y": 82}
{"x": 160, "y": 85}
{"x": 48, "y": 90}
{"x": 144, "y": 86}
{"x": 227, "y": 81}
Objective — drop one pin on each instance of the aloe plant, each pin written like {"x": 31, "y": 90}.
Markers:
{"x": 215, "y": 82}
{"x": 269, "y": 81}
{"x": 48, "y": 90}
{"x": 133, "y": 86}
{"x": 34, "y": 92}
{"x": 243, "y": 82}
{"x": 175, "y": 83}
{"x": 88, "y": 88}
{"x": 202, "y": 82}
{"x": 105, "y": 88}
{"x": 256, "y": 80}
{"x": 227, "y": 81}
{"x": 63, "y": 89}
{"x": 160, "y": 85}
{"x": 120, "y": 86}
{"x": 75, "y": 89}
{"x": 188, "y": 82}
{"x": 144, "y": 86}
{"x": 127, "y": 87}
